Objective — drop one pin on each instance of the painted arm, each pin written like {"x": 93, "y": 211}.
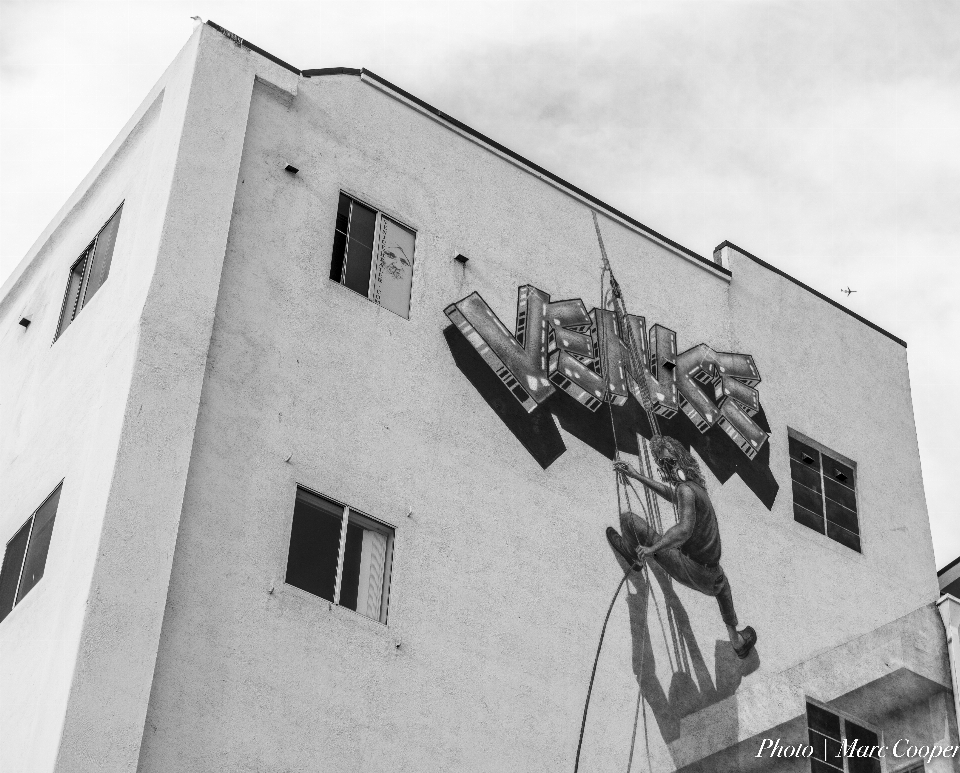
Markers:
{"x": 663, "y": 489}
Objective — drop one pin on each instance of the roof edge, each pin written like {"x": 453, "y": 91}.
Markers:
{"x": 247, "y": 44}
{"x": 544, "y": 172}
{"x": 949, "y": 566}
{"x": 479, "y": 136}
{"x": 810, "y": 290}
{"x": 556, "y": 179}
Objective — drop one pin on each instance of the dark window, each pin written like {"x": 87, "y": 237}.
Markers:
{"x": 340, "y": 555}
{"x": 373, "y": 255}
{"x": 26, "y": 555}
{"x": 953, "y": 588}
{"x": 89, "y": 272}
{"x": 824, "y": 491}
{"x": 838, "y": 744}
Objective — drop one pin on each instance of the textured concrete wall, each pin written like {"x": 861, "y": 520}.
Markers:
{"x": 105, "y": 716}
{"x": 162, "y": 636}
{"x": 62, "y": 413}
{"x": 111, "y": 408}
{"x": 501, "y": 573}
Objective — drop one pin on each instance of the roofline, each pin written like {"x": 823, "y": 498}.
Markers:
{"x": 557, "y": 180}
{"x": 949, "y": 566}
{"x": 809, "y": 289}
{"x": 712, "y": 265}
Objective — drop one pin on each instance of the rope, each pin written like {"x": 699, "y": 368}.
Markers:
{"x": 635, "y": 364}
{"x": 637, "y": 369}
{"x": 593, "y": 673}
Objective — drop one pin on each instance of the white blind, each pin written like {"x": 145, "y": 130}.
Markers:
{"x": 391, "y": 276}
{"x": 373, "y": 553}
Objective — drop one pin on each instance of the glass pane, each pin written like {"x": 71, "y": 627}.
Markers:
{"x": 807, "y": 498}
{"x": 825, "y": 748}
{"x": 36, "y": 559}
{"x": 392, "y": 274}
{"x": 843, "y": 536}
{"x": 867, "y": 740}
{"x": 12, "y": 562}
{"x": 356, "y": 274}
{"x": 103, "y": 256}
{"x": 839, "y": 493}
{"x": 363, "y": 586}
{"x": 842, "y": 517}
{"x": 821, "y": 767}
{"x": 804, "y": 516}
{"x": 808, "y": 476}
{"x": 314, "y": 545}
{"x": 823, "y": 721}
{"x": 72, "y": 295}
{"x": 804, "y": 453}
{"x": 340, "y": 239}
{"x": 839, "y": 472}
{"x": 350, "y": 582}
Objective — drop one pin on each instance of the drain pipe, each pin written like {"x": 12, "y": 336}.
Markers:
{"x": 949, "y": 608}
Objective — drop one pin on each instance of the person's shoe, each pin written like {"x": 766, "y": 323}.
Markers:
{"x": 619, "y": 544}
{"x": 749, "y": 637}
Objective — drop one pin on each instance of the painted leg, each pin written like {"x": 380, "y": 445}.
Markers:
{"x": 741, "y": 641}
{"x": 636, "y": 532}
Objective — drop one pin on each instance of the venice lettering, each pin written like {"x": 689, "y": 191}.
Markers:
{"x": 560, "y": 345}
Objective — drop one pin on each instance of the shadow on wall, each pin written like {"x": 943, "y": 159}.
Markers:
{"x": 691, "y": 687}
{"x": 539, "y": 434}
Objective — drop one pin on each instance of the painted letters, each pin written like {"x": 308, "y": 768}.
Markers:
{"x": 561, "y": 345}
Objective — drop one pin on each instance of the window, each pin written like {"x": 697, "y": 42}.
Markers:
{"x": 824, "y": 490}
{"x": 26, "y": 555}
{"x": 340, "y": 555}
{"x": 89, "y": 272}
{"x": 373, "y": 255}
{"x": 836, "y": 742}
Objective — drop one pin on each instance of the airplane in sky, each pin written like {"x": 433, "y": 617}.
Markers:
{"x": 848, "y": 291}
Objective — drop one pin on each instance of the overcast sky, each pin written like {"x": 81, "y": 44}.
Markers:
{"x": 822, "y": 136}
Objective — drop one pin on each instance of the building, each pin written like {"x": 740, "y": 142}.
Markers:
{"x": 949, "y": 578}
{"x": 284, "y": 491}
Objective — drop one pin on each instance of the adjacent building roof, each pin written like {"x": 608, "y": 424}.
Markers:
{"x": 949, "y": 578}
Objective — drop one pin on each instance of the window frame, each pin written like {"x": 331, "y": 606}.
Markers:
{"x": 844, "y": 717}
{"x": 88, "y": 255}
{"x": 379, "y": 524}
{"x": 32, "y": 521}
{"x": 380, "y": 214}
{"x": 822, "y": 450}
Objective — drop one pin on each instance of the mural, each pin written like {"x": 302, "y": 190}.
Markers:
{"x": 689, "y": 551}
{"x": 563, "y": 363}
{"x": 558, "y": 345}
{"x": 559, "y": 367}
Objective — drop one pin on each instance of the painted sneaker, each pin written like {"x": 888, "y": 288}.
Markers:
{"x": 619, "y": 544}
{"x": 749, "y": 639}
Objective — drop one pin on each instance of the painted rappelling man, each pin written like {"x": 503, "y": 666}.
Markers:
{"x": 689, "y": 551}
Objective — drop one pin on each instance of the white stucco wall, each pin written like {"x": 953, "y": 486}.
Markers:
{"x": 502, "y": 573}
{"x": 62, "y": 413}
{"x": 162, "y": 636}
{"x": 110, "y": 409}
